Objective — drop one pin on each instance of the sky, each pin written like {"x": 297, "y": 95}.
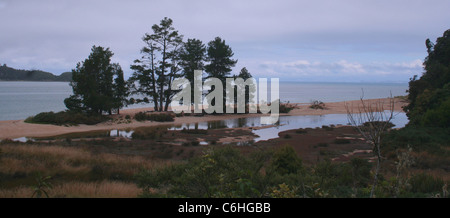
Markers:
{"x": 306, "y": 41}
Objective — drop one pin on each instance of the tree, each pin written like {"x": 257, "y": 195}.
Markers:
{"x": 158, "y": 66}
{"x": 192, "y": 57}
{"x": 121, "y": 89}
{"x": 431, "y": 90}
{"x": 372, "y": 121}
{"x": 244, "y": 74}
{"x": 219, "y": 55}
{"x": 145, "y": 74}
{"x": 97, "y": 84}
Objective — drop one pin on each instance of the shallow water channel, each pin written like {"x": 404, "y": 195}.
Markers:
{"x": 284, "y": 123}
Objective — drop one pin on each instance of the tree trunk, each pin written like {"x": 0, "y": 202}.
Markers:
{"x": 155, "y": 97}
{"x": 163, "y": 68}
{"x": 377, "y": 171}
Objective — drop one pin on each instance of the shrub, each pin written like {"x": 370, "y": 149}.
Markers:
{"x": 140, "y": 116}
{"x": 149, "y": 133}
{"x": 316, "y": 104}
{"x": 286, "y": 161}
{"x": 342, "y": 141}
{"x": 159, "y": 117}
{"x": 286, "y": 108}
{"x": 195, "y": 131}
{"x": 423, "y": 183}
{"x": 287, "y": 136}
{"x": 66, "y": 118}
{"x": 322, "y": 144}
{"x": 327, "y": 128}
{"x": 377, "y": 124}
{"x": 301, "y": 131}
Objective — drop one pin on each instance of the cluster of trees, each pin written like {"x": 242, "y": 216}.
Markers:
{"x": 98, "y": 85}
{"x": 429, "y": 95}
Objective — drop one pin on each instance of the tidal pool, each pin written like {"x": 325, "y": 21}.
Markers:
{"x": 285, "y": 123}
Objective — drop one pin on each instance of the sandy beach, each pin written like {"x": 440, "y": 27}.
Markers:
{"x": 18, "y": 128}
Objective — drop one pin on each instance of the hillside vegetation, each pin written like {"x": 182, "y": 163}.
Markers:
{"x": 11, "y": 74}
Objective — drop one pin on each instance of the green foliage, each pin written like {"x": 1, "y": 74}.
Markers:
{"x": 98, "y": 85}
{"x": 222, "y": 172}
{"x": 158, "y": 67}
{"x": 423, "y": 183}
{"x": 301, "y": 131}
{"x": 42, "y": 186}
{"x": 430, "y": 139}
{"x": 219, "y": 55}
{"x": 152, "y": 133}
{"x": 439, "y": 116}
{"x": 286, "y": 161}
{"x": 194, "y": 131}
{"x": 158, "y": 117}
{"x": 322, "y": 144}
{"x": 226, "y": 172}
{"x": 429, "y": 95}
{"x": 342, "y": 141}
{"x": 66, "y": 118}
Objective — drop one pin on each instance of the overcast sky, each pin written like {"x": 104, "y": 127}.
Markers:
{"x": 351, "y": 40}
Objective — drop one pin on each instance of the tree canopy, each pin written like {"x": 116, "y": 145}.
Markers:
{"x": 429, "y": 95}
{"x": 98, "y": 85}
{"x": 159, "y": 65}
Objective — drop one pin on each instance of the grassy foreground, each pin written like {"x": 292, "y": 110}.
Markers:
{"x": 155, "y": 167}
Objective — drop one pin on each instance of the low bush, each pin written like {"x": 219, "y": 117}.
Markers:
{"x": 158, "y": 117}
{"x": 423, "y": 183}
{"x": 322, "y": 144}
{"x": 195, "y": 131}
{"x": 342, "y": 141}
{"x": 286, "y": 107}
{"x": 327, "y": 128}
{"x": 152, "y": 133}
{"x": 301, "y": 131}
{"x": 66, "y": 118}
{"x": 316, "y": 104}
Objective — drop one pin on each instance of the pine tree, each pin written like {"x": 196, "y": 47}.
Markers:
{"x": 156, "y": 70}
{"x": 94, "y": 87}
{"x": 219, "y": 55}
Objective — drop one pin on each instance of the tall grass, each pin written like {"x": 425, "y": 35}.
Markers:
{"x": 75, "y": 172}
{"x": 103, "y": 189}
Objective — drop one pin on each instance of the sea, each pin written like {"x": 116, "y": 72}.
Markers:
{"x": 19, "y": 100}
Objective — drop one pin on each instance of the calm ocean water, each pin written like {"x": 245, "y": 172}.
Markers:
{"x": 19, "y": 100}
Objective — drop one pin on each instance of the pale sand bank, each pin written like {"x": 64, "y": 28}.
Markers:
{"x": 18, "y": 128}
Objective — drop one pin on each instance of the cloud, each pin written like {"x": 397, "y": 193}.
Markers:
{"x": 350, "y": 37}
{"x": 343, "y": 70}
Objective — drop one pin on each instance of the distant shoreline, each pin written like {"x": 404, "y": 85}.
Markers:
{"x": 12, "y": 129}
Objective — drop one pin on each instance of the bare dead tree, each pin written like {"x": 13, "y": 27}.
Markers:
{"x": 372, "y": 119}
